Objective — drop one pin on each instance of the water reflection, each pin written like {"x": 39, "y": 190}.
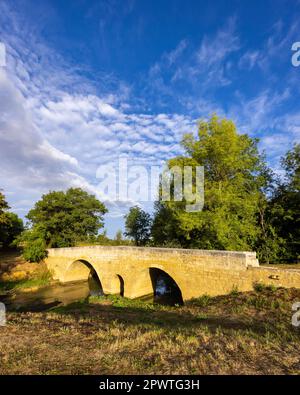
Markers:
{"x": 45, "y": 298}
{"x": 54, "y": 295}
{"x": 165, "y": 289}
{"x": 94, "y": 284}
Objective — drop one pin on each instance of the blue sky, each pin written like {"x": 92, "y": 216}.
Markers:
{"x": 88, "y": 81}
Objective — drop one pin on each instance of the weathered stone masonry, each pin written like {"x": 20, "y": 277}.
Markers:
{"x": 196, "y": 272}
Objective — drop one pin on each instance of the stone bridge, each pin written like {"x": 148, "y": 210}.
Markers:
{"x": 131, "y": 271}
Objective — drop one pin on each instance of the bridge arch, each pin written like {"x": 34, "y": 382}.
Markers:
{"x": 122, "y": 285}
{"x": 82, "y": 270}
{"x": 165, "y": 289}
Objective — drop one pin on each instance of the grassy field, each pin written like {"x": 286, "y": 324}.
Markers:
{"x": 241, "y": 333}
{"x": 235, "y": 334}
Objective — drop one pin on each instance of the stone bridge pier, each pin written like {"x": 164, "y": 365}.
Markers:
{"x": 127, "y": 270}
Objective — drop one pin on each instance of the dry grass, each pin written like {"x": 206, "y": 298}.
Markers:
{"x": 11, "y": 260}
{"x": 16, "y": 273}
{"x": 248, "y": 333}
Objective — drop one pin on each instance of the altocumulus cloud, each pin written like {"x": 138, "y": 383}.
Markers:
{"x": 56, "y": 129}
{"x": 29, "y": 163}
{"x": 59, "y": 121}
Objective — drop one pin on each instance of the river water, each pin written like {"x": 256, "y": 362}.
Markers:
{"x": 64, "y": 294}
{"x": 48, "y": 297}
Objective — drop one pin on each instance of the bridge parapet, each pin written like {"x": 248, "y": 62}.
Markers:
{"x": 230, "y": 259}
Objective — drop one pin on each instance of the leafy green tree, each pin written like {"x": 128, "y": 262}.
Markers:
{"x": 61, "y": 219}
{"x": 285, "y": 205}
{"x": 138, "y": 225}
{"x": 3, "y": 207}
{"x": 165, "y": 226}
{"x": 10, "y": 229}
{"x": 234, "y": 180}
{"x": 34, "y": 245}
{"x": 10, "y": 224}
{"x": 269, "y": 245}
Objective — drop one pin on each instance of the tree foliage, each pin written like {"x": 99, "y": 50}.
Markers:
{"x": 138, "y": 225}
{"x": 3, "y": 207}
{"x": 285, "y": 205}
{"x": 235, "y": 174}
{"x": 34, "y": 245}
{"x": 10, "y": 229}
{"x": 245, "y": 207}
{"x": 118, "y": 237}
{"x": 63, "y": 218}
{"x": 11, "y": 226}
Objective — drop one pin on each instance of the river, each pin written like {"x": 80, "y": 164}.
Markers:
{"x": 58, "y": 294}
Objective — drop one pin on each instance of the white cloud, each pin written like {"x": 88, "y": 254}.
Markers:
{"x": 173, "y": 56}
{"x": 56, "y": 129}
{"x": 193, "y": 73}
{"x": 57, "y": 126}
{"x": 214, "y": 50}
{"x": 26, "y": 156}
{"x": 255, "y": 114}
{"x": 249, "y": 59}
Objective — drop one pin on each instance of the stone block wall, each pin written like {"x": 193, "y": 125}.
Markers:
{"x": 196, "y": 272}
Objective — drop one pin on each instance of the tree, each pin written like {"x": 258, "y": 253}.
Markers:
{"x": 118, "y": 237}
{"x": 165, "y": 226}
{"x": 61, "y": 219}
{"x": 3, "y": 207}
{"x": 138, "y": 225}
{"x": 10, "y": 224}
{"x": 234, "y": 179}
{"x": 10, "y": 229}
{"x": 269, "y": 245}
{"x": 102, "y": 238}
{"x": 285, "y": 205}
{"x": 34, "y": 245}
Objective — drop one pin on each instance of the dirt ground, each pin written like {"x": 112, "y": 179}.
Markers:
{"x": 249, "y": 333}
{"x": 241, "y": 333}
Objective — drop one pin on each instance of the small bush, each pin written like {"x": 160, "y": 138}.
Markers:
{"x": 35, "y": 251}
{"x": 271, "y": 287}
{"x": 260, "y": 287}
{"x": 258, "y": 302}
{"x": 234, "y": 291}
{"x": 202, "y": 301}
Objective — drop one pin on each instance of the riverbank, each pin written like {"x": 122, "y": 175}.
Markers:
{"x": 18, "y": 275}
{"x": 241, "y": 333}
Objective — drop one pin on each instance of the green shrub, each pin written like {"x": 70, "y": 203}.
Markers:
{"x": 201, "y": 301}
{"x": 234, "y": 291}
{"x": 260, "y": 287}
{"x": 35, "y": 251}
{"x": 259, "y": 302}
